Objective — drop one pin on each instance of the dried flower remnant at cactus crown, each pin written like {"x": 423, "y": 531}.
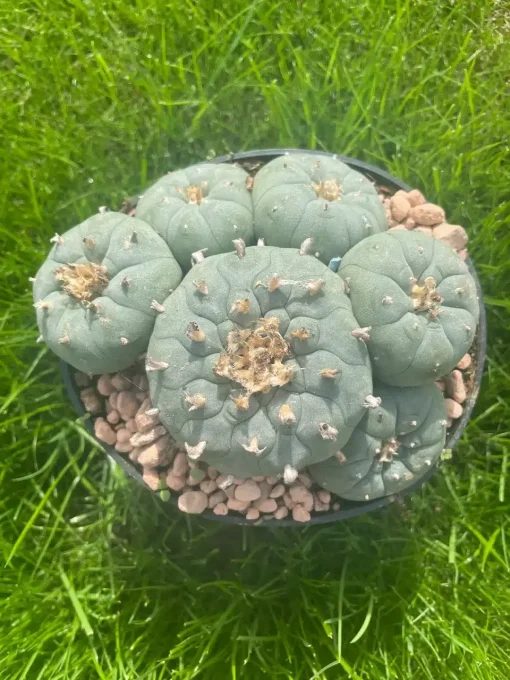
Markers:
{"x": 84, "y": 282}
{"x": 254, "y": 357}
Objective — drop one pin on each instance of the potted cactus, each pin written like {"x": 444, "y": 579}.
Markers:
{"x": 269, "y": 337}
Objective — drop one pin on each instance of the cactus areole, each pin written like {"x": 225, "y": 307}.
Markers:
{"x": 261, "y": 371}
{"x": 97, "y": 293}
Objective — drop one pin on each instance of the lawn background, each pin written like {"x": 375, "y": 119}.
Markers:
{"x": 97, "y": 99}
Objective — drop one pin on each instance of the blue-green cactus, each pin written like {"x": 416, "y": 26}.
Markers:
{"x": 417, "y": 302}
{"x": 397, "y": 442}
{"x": 304, "y": 196}
{"x": 253, "y": 365}
{"x": 200, "y": 208}
{"x": 100, "y": 289}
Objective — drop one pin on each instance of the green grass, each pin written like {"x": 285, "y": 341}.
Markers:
{"x": 100, "y": 97}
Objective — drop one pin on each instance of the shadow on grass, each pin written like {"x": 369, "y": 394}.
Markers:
{"x": 277, "y": 583}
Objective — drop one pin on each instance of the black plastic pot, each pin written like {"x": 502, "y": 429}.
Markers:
{"x": 251, "y": 161}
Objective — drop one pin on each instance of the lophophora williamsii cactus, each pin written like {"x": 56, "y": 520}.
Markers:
{"x": 254, "y": 366}
{"x": 417, "y": 301}
{"x": 300, "y": 197}
{"x": 200, "y": 209}
{"x": 100, "y": 289}
{"x": 397, "y": 442}
{"x": 260, "y": 361}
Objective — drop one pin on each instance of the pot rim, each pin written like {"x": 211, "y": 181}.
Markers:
{"x": 348, "y": 509}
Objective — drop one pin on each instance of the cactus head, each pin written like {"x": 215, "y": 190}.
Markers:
{"x": 262, "y": 367}
{"x": 394, "y": 445}
{"x": 418, "y": 299}
{"x": 320, "y": 201}
{"x": 203, "y": 207}
{"x": 97, "y": 293}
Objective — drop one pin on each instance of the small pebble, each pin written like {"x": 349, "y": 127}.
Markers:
{"x": 281, "y": 513}
{"x": 104, "y": 432}
{"x": 455, "y": 387}
{"x": 252, "y": 514}
{"x": 208, "y": 486}
{"x": 180, "y": 466}
{"x": 452, "y": 234}
{"x": 400, "y": 206}
{"x": 153, "y": 456}
{"x": 212, "y": 473}
{"x": 453, "y": 409}
{"x": 164, "y": 444}
{"x": 104, "y": 385}
{"x": 324, "y": 496}
{"x": 145, "y": 422}
{"x": 144, "y": 438}
{"x": 247, "y": 491}
{"x": 299, "y": 514}
{"x": 463, "y": 254}
{"x": 277, "y": 491}
{"x": 415, "y": 197}
{"x": 112, "y": 400}
{"x": 124, "y": 447}
{"x": 427, "y": 214}
{"x": 235, "y": 504}
{"x": 272, "y": 480}
{"x": 174, "y": 482}
{"x": 123, "y": 435}
{"x": 193, "y": 502}
{"x": 465, "y": 362}
{"x": 266, "y": 505}
{"x": 217, "y": 497}
{"x": 440, "y": 384}
{"x": 259, "y": 478}
{"x": 409, "y": 223}
{"x": 301, "y": 495}
{"x": 151, "y": 478}
{"x": 336, "y": 507}
{"x": 220, "y": 509}
{"x": 91, "y": 400}
{"x": 127, "y": 404}
{"x": 319, "y": 506}
{"x": 113, "y": 417}
{"x": 398, "y": 227}
{"x": 131, "y": 425}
